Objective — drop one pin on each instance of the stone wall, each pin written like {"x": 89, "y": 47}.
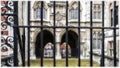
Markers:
{"x": 108, "y": 60}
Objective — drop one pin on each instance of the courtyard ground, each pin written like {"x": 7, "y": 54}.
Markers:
{"x": 61, "y": 63}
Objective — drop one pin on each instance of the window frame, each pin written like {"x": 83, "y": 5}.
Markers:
{"x": 97, "y": 40}
{"x": 111, "y": 17}
{"x": 38, "y": 14}
{"x": 74, "y": 13}
{"x": 97, "y": 11}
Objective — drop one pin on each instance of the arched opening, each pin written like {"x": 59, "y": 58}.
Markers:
{"x": 47, "y": 38}
{"x": 72, "y": 42}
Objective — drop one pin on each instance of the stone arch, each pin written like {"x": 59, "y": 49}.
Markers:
{"x": 37, "y": 30}
{"x": 38, "y": 3}
{"x": 47, "y": 38}
{"x": 72, "y": 41}
{"x": 64, "y": 30}
{"x": 75, "y": 3}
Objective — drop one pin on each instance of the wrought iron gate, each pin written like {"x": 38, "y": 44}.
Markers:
{"x": 10, "y": 17}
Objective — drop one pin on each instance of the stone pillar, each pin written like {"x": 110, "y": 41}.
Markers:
{"x": 32, "y": 51}
{"x": 87, "y": 43}
{"x": 58, "y": 54}
{"x": 32, "y": 45}
{"x": 107, "y": 15}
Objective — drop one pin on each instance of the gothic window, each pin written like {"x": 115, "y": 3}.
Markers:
{"x": 99, "y": 40}
{"x": 44, "y": 12}
{"x": 74, "y": 13}
{"x": 111, "y": 48}
{"x": 116, "y": 17}
{"x": 97, "y": 13}
{"x": 96, "y": 40}
{"x": 38, "y": 12}
{"x": 111, "y": 17}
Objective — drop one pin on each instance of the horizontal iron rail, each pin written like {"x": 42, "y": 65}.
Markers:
{"x": 39, "y": 20}
{"x": 9, "y": 14}
{"x": 82, "y": 27}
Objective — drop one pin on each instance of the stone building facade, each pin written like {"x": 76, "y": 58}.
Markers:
{"x": 60, "y": 44}
{"x": 109, "y": 23}
{"x": 73, "y": 32}
{"x": 61, "y": 21}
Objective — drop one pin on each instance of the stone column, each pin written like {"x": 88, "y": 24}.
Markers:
{"x": 87, "y": 43}
{"x": 32, "y": 51}
{"x": 58, "y": 54}
{"x": 107, "y": 15}
{"x": 32, "y": 45}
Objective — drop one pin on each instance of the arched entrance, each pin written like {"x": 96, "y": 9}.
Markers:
{"x": 47, "y": 38}
{"x": 72, "y": 41}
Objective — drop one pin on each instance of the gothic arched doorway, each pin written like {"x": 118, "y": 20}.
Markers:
{"x": 47, "y": 38}
{"x": 72, "y": 42}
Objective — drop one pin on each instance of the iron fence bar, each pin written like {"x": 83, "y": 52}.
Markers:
{"x": 41, "y": 35}
{"x": 114, "y": 32}
{"x": 15, "y": 36}
{"x": 15, "y": 48}
{"x": 81, "y": 27}
{"x": 79, "y": 63}
{"x": 102, "y": 51}
{"x": 8, "y": 14}
{"x": 54, "y": 63}
{"x": 91, "y": 52}
{"x": 23, "y": 41}
{"x": 18, "y": 36}
{"x": 66, "y": 34}
{"x": 20, "y": 43}
{"x": 28, "y": 56}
